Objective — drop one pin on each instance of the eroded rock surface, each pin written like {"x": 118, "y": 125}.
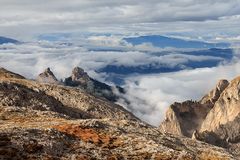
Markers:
{"x": 215, "y": 119}
{"x": 186, "y": 117}
{"x": 47, "y": 77}
{"x": 81, "y": 79}
{"x": 35, "y": 124}
{"x": 224, "y": 118}
{"x": 214, "y": 94}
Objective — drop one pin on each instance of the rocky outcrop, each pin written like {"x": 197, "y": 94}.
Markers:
{"x": 214, "y": 94}
{"x": 81, "y": 79}
{"x": 47, "y": 77}
{"x": 215, "y": 119}
{"x": 71, "y": 102}
{"x": 224, "y": 118}
{"x": 79, "y": 76}
{"x": 7, "y": 74}
{"x": 186, "y": 117}
{"x": 37, "y": 122}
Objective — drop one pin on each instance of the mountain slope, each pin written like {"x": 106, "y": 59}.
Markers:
{"x": 186, "y": 117}
{"x": 48, "y": 121}
{"x": 80, "y": 79}
{"x": 163, "y": 42}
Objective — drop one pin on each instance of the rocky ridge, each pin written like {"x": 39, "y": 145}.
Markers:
{"x": 80, "y": 79}
{"x": 49, "y": 121}
{"x": 186, "y": 117}
{"x": 224, "y": 118}
{"x": 215, "y": 119}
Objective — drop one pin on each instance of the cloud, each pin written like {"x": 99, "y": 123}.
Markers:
{"x": 209, "y": 20}
{"x": 32, "y": 58}
{"x": 28, "y": 18}
{"x": 150, "y": 95}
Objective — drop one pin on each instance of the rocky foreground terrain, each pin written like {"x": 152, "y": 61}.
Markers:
{"x": 46, "y": 119}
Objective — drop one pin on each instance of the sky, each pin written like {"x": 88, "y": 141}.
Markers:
{"x": 103, "y": 24}
{"x": 215, "y": 19}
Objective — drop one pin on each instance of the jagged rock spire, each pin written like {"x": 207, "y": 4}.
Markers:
{"x": 47, "y": 77}
{"x": 78, "y": 74}
{"x": 214, "y": 94}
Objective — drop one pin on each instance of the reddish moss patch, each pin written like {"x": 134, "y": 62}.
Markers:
{"x": 89, "y": 135}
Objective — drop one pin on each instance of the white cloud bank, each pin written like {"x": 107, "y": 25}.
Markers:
{"x": 149, "y": 95}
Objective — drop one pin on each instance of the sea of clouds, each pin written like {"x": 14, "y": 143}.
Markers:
{"x": 149, "y": 94}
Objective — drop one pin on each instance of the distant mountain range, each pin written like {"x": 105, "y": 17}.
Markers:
{"x": 116, "y": 73}
{"x": 7, "y": 40}
{"x": 163, "y": 42}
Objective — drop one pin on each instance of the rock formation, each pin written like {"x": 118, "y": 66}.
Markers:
{"x": 81, "y": 79}
{"x": 214, "y": 94}
{"x": 186, "y": 117}
{"x": 47, "y": 77}
{"x": 224, "y": 118}
{"x": 80, "y": 76}
{"x": 46, "y": 121}
{"x": 215, "y": 119}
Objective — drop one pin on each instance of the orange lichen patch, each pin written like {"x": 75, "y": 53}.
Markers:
{"x": 89, "y": 135}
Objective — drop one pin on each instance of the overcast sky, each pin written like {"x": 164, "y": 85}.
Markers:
{"x": 26, "y": 19}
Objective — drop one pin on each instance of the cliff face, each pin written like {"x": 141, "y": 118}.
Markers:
{"x": 224, "y": 118}
{"x": 186, "y": 117}
{"x": 214, "y": 94}
{"x": 215, "y": 119}
{"x": 79, "y": 78}
{"x": 49, "y": 121}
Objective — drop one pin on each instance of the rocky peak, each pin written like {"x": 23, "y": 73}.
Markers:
{"x": 186, "y": 117}
{"x": 224, "y": 118}
{"x": 78, "y": 74}
{"x": 47, "y": 77}
{"x": 215, "y": 119}
{"x": 78, "y": 78}
{"x": 214, "y": 94}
